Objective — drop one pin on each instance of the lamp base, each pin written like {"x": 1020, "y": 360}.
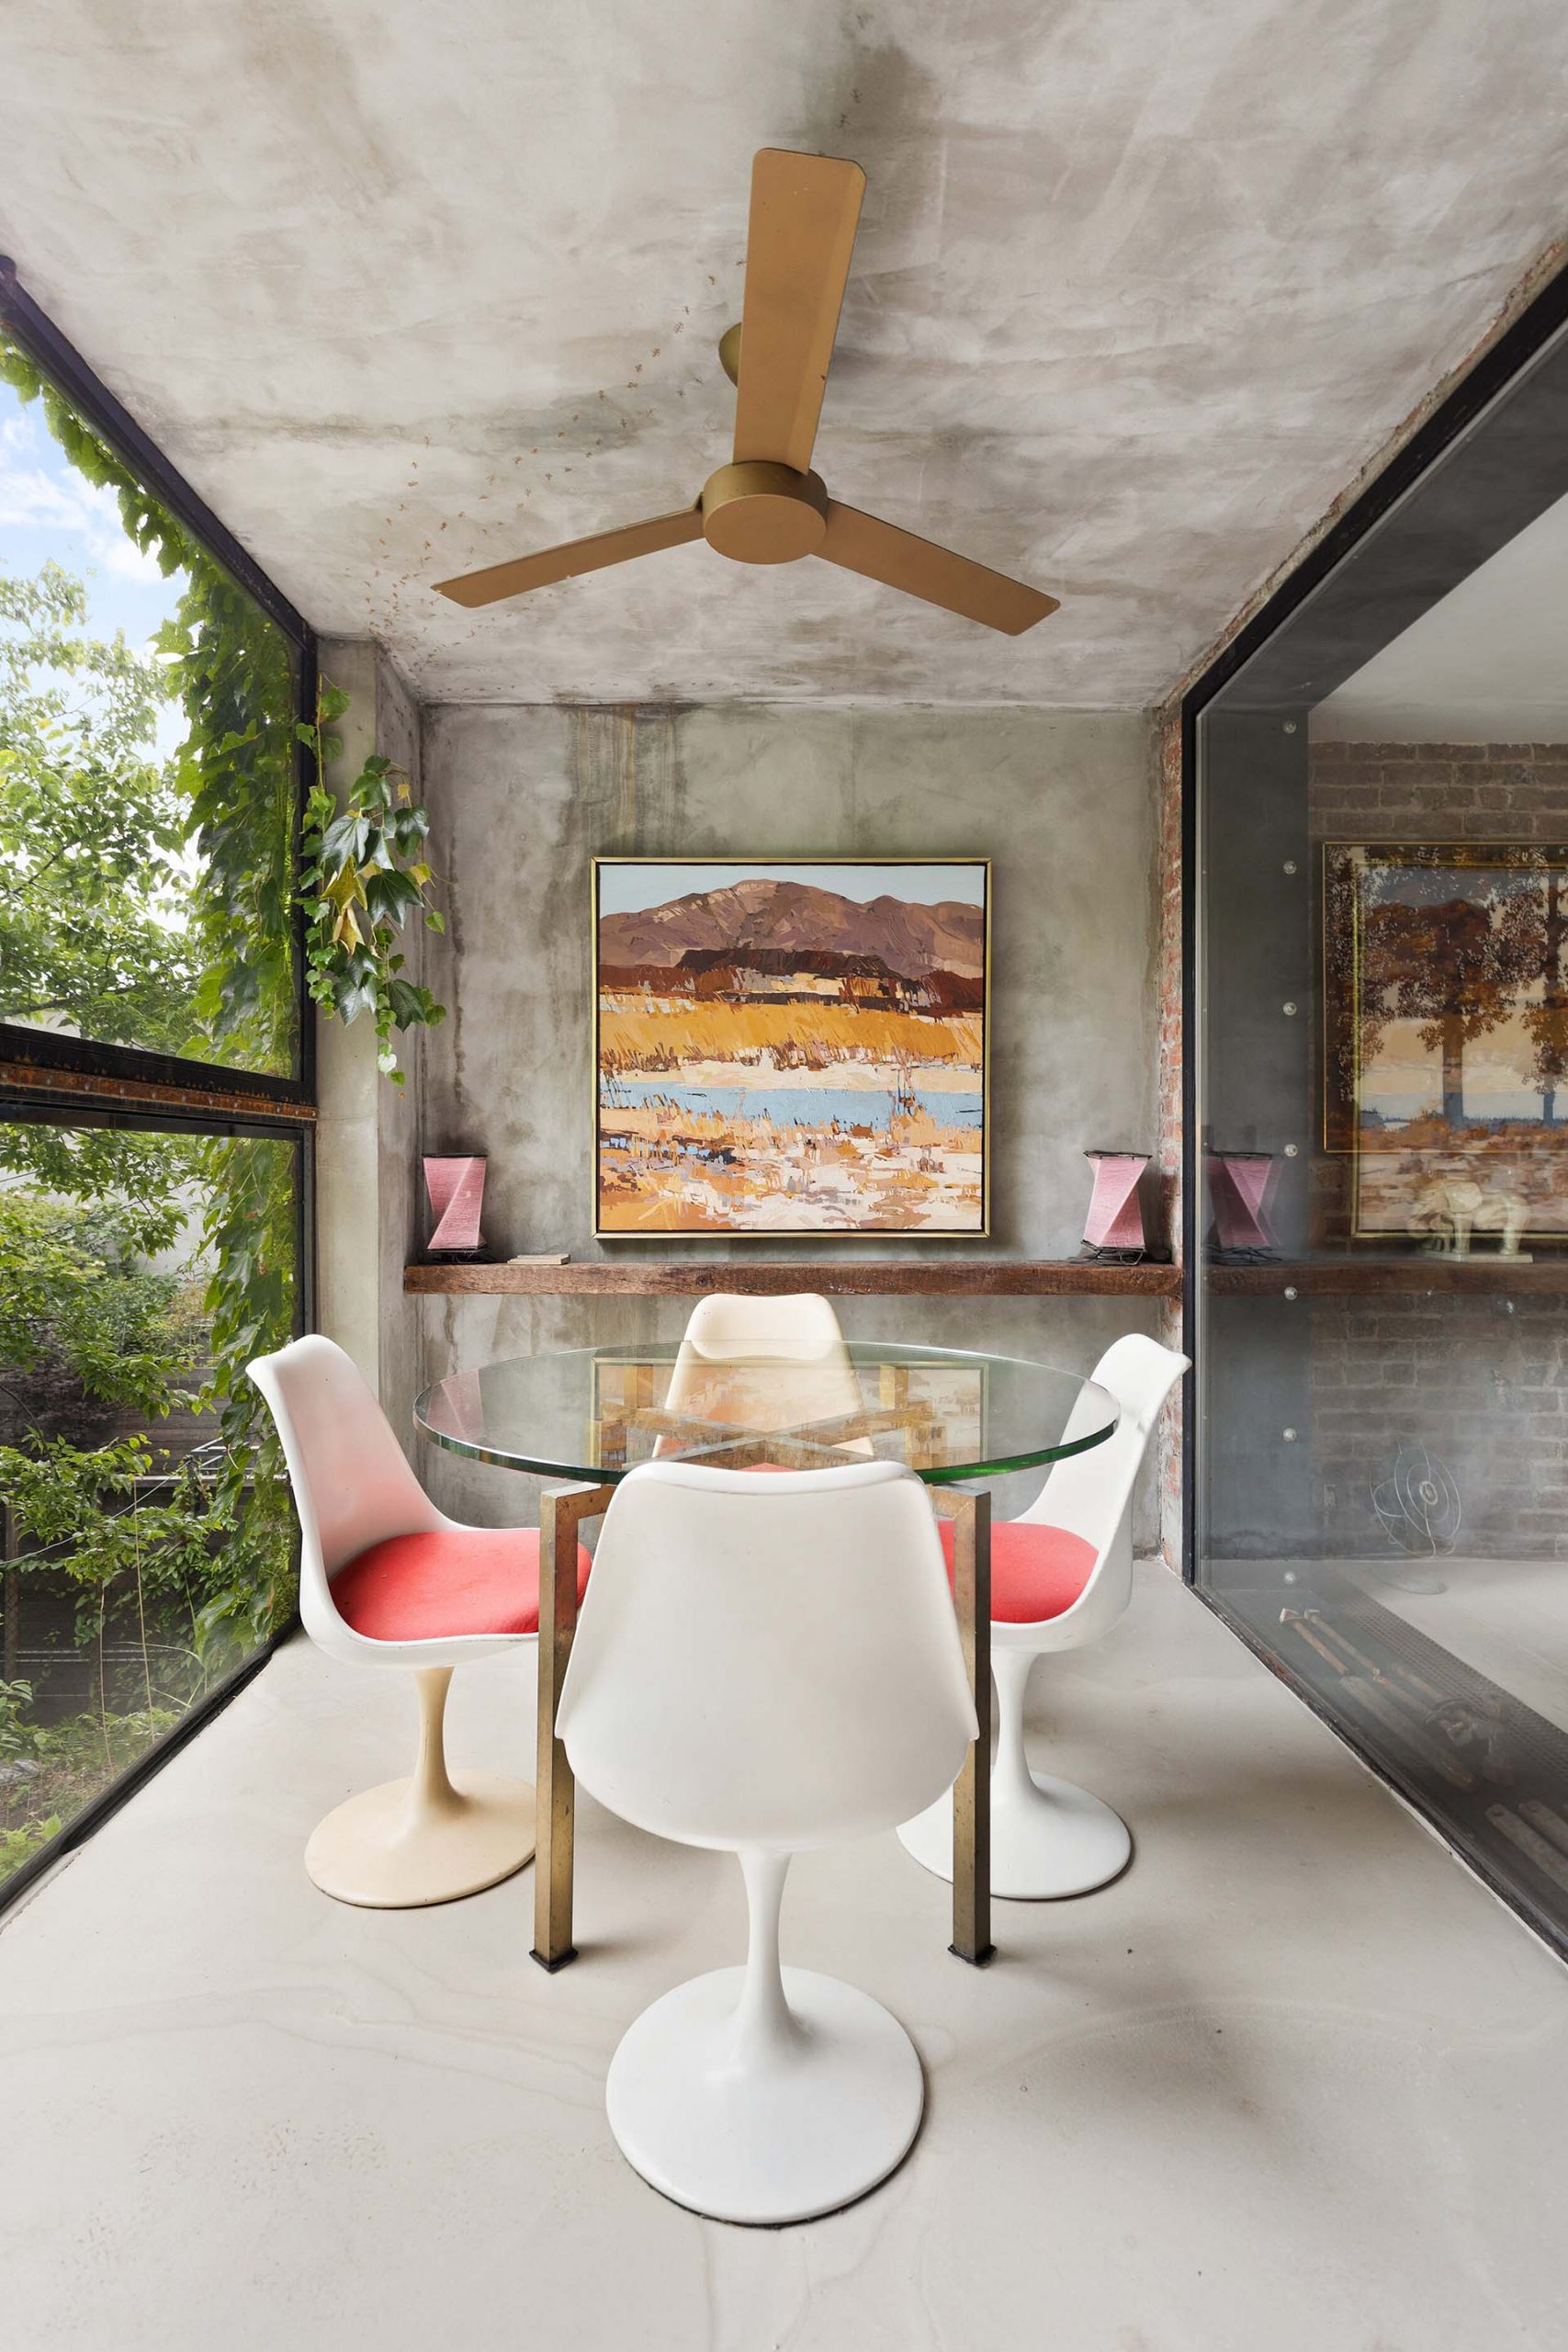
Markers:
{"x": 1101, "y": 1254}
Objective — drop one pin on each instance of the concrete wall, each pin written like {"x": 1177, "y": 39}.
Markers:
{"x": 523, "y": 798}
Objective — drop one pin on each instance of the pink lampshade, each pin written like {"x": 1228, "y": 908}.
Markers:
{"x": 457, "y": 1190}
{"x": 1241, "y": 1185}
{"x": 1115, "y": 1219}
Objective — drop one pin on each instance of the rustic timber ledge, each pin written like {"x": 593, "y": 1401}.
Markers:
{"x": 841, "y": 1277}
{"x": 1370, "y": 1277}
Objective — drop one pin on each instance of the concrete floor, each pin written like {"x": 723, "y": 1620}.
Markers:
{"x": 1296, "y": 2081}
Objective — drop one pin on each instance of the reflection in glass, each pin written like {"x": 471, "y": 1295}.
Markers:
{"x": 1382, "y": 1448}
{"x": 1445, "y": 1039}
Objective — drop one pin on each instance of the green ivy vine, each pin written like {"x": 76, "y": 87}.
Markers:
{"x": 366, "y": 875}
{"x": 232, "y": 669}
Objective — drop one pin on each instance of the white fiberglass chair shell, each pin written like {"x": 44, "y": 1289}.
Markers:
{"x": 765, "y": 1666}
{"x": 1061, "y": 1576}
{"x": 795, "y": 1342}
{"x": 387, "y": 1579}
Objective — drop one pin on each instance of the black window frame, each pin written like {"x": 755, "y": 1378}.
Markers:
{"x": 86, "y": 1082}
{"x": 23, "y": 1049}
{"x": 1317, "y": 629}
{"x": 1337, "y": 647}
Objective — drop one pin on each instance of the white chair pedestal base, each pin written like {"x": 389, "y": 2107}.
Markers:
{"x": 1064, "y": 1842}
{"x": 382, "y": 1851}
{"x": 425, "y": 1839}
{"x": 765, "y": 2095}
{"x": 1049, "y": 1839}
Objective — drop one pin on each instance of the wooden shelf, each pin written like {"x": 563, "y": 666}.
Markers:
{"x": 838, "y": 1277}
{"x": 1372, "y": 1277}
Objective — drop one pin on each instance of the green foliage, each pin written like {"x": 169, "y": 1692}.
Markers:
{"x": 365, "y": 876}
{"x": 18, "y": 1738}
{"x": 92, "y": 828}
{"x": 148, "y": 901}
{"x": 20, "y": 1845}
{"x": 231, "y": 669}
{"x": 141, "y": 1173}
{"x": 78, "y": 1304}
{"x": 74, "y": 1760}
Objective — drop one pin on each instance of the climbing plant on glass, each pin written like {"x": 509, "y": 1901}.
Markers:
{"x": 231, "y": 669}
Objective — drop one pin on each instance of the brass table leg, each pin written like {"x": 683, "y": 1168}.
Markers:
{"x": 561, "y": 1516}
{"x": 971, "y": 1516}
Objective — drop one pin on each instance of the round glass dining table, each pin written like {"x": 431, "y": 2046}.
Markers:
{"x": 596, "y": 1412}
{"x": 589, "y": 1415}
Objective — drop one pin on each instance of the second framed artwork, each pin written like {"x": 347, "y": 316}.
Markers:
{"x": 791, "y": 1046}
{"x": 1446, "y": 1038}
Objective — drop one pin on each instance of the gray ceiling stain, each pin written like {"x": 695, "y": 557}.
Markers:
{"x": 1138, "y": 292}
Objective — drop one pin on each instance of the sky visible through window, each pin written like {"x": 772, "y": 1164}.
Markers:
{"x": 47, "y": 512}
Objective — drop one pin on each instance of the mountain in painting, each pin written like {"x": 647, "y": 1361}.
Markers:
{"x": 909, "y": 938}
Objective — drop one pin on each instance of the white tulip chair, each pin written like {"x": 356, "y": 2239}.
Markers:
{"x": 804, "y": 1372}
{"x": 387, "y": 1580}
{"x": 1061, "y": 1577}
{"x": 765, "y": 1666}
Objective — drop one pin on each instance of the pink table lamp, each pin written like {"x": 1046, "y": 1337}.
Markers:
{"x": 457, "y": 1190}
{"x": 1241, "y": 1188}
{"x": 1114, "y": 1227}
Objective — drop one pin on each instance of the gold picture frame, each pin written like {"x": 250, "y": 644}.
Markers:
{"x": 673, "y": 1163}
{"x": 1479, "y": 965}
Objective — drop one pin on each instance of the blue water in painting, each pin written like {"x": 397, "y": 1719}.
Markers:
{"x": 812, "y": 1106}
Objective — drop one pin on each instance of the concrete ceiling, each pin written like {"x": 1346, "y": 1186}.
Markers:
{"x": 1486, "y": 664}
{"x": 1139, "y": 287}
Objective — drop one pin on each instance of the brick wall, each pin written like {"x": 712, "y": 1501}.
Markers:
{"x": 1483, "y": 1383}
{"x": 1435, "y": 792}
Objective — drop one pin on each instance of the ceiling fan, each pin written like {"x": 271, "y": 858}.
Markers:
{"x": 766, "y": 505}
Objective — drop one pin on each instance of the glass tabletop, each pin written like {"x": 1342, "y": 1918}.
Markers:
{"x": 597, "y": 1412}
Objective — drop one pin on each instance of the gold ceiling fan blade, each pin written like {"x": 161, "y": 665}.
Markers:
{"x": 804, "y": 210}
{"x": 860, "y": 543}
{"x": 526, "y": 571}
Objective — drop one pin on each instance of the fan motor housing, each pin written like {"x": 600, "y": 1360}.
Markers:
{"x": 756, "y": 511}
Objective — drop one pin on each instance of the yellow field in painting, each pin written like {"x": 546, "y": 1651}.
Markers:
{"x": 668, "y": 1166}
{"x": 663, "y": 1170}
{"x": 634, "y": 1036}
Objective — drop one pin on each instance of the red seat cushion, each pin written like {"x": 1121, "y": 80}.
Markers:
{"x": 1036, "y": 1571}
{"x": 445, "y": 1582}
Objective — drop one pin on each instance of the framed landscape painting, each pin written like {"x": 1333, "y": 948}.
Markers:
{"x": 791, "y": 1046}
{"x": 1446, "y": 1036}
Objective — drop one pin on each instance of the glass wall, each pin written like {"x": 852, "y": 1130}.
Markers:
{"x": 147, "y": 1541}
{"x": 147, "y": 760}
{"x": 155, "y": 1119}
{"x": 1381, "y": 1080}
